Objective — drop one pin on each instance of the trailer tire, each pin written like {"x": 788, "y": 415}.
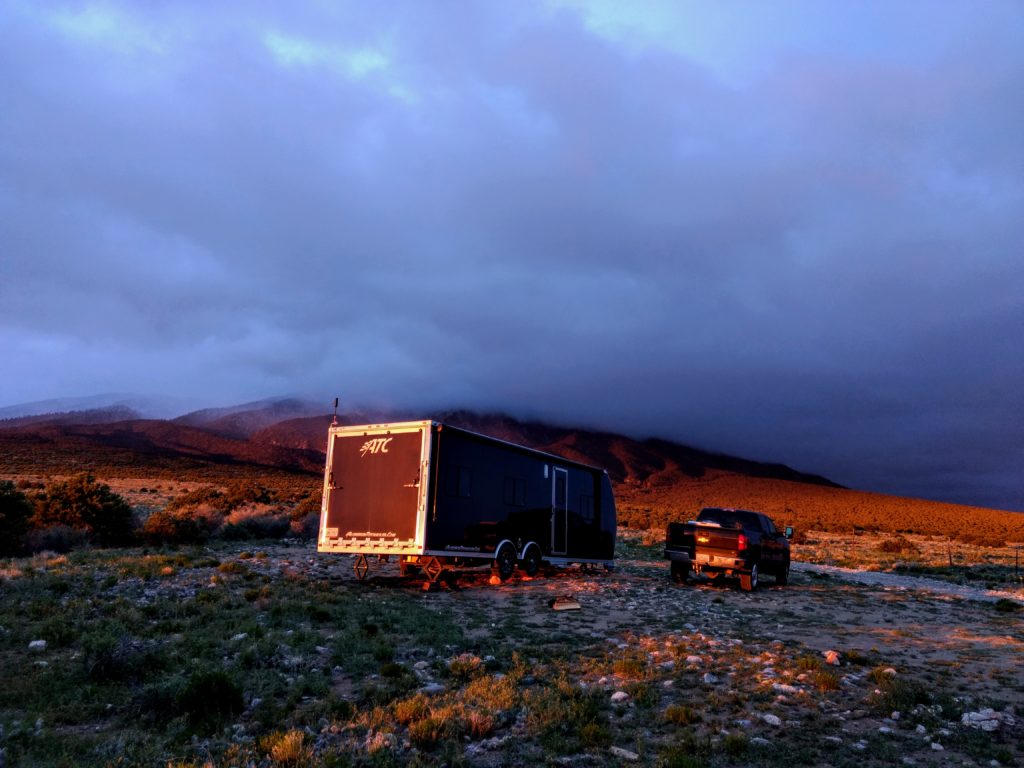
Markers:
{"x": 505, "y": 561}
{"x": 748, "y": 581}
{"x": 531, "y": 560}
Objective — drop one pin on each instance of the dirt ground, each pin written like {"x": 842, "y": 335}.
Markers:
{"x": 939, "y": 633}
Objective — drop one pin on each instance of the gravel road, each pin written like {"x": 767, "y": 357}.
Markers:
{"x": 900, "y": 582}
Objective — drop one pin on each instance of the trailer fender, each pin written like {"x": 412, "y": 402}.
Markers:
{"x": 529, "y": 559}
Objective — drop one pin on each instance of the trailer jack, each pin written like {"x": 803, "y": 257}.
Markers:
{"x": 361, "y": 567}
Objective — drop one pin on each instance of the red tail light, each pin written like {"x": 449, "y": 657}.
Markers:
{"x": 741, "y": 542}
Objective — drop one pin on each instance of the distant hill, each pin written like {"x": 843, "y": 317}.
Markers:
{"x": 241, "y": 421}
{"x": 91, "y": 416}
{"x": 655, "y": 480}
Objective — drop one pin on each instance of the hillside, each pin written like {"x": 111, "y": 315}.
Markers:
{"x": 655, "y": 480}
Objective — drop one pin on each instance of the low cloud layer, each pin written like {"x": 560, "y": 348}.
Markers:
{"x": 796, "y": 237}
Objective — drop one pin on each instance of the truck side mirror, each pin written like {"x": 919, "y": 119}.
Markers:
{"x": 789, "y": 531}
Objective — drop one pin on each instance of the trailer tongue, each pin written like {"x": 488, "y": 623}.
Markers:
{"x": 437, "y": 497}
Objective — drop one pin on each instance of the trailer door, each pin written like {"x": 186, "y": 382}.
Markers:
{"x": 559, "y": 511}
{"x": 374, "y": 486}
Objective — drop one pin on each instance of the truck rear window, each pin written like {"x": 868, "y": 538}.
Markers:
{"x": 729, "y": 518}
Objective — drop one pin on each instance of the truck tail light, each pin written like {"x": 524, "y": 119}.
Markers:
{"x": 741, "y": 542}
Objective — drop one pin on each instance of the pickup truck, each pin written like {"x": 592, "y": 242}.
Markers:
{"x": 730, "y": 542}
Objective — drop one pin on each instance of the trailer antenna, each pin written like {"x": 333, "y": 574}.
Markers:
{"x": 334, "y": 421}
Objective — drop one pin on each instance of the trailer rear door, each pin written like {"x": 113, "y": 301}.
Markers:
{"x": 373, "y": 489}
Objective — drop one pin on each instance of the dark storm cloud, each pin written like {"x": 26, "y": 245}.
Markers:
{"x": 797, "y": 247}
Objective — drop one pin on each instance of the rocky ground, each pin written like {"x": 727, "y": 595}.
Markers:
{"x": 828, "y": 670}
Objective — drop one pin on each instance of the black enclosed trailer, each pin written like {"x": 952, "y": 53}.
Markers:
{"x": 435, "y": 497}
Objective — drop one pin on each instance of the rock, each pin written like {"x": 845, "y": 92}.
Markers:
{"x": 619, "y": 697}
{"x": 783, "y": 688}
{"x": 987, "y": 719}
{"x": 624, "y": 754}
{"x": 432, "y": 689}
{"x": 831, "y": 657}
{"x": 421, "y": 665}
{"x": 760, "y": 741}
{"x": 37, "y": 646}
{"x": 860, "y": 746}
{"x": 936, "y": 747}
{"x": 920, "y": 729}
{"x": 895, "y": 715}
{"x": 885, "y": 729}
{"x": 772, "y": 720}
{"x": 833, "y": 739}
{"x": 668, "y": 683}
{"x": 889, "y": 671}
{"x": 239, "y": 637}
{"x": 695, "y": 660}
{"x": 710, "y": 679}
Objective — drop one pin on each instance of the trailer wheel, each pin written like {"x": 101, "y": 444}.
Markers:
{"x": 748, "y": 581}
{"x": 531, "y": 560}
{"x": 505, "y": 561}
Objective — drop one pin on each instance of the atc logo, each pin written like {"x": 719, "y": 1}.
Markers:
{"x": 377, "y": 445}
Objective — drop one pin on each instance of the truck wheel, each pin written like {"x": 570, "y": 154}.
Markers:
{"x": 531, "y": 560}
{"x": 680, "y": 572}
{"x": 748, "y": 581}
{"x": 505, "y": 562}
{"x": 782, "y": 578}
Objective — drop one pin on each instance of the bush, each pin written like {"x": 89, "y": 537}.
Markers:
{"x": 83, "y": 504}
{"x": 168, "y": 528}
{"x": 56, "y": 538}
{"x": 209, "y": 699}
{"x": 15, "y": 511}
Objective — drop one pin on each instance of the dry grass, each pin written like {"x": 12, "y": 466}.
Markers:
{"x": 815, "y": 507}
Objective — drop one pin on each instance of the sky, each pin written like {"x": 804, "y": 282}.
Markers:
{"x": 790, "y": 231}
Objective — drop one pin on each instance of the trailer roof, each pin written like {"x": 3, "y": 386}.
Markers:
{"x": 441, "y": 426}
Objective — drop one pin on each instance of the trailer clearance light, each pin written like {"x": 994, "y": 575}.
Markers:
{"x": 741, "y": 542}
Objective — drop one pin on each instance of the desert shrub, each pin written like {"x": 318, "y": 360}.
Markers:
{"x": 109, "y": 656}
{"x": 55, "y": 538}
{"x": 164, "y": 527}
{"x": 1005, "y": 605}
{"x": 982, "y": 538}
{"x": 808, "y": 663}
{"x": 306, "y": 527}
{"x": 735, "y": 744}
{"x": 493, "y": 694}
{"x": 899, "y": 545}
{"x": 412, "y": 709}
{"x": 255, "y": 521}
{"x": 680, "y": 714}
{"x": 286, "y": 748}
{"x": 190, "y": 500}
{"x": 210, "y": 698}
{"x": 82, "y": 503}
{"x": 479, "y": 724}
{"x": 465, "y": 666}
{"x": 824, "y": 680}
{"x": 15, "y": 511}
{"x": 595, "y": 735}
{"x": 558, "y": 714}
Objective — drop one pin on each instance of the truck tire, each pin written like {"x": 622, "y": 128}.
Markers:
{"x": 505, "y": 561}
{"x": 748, "y": 581}
{"x": 680, "y": 572}
{"x": 531, "y": 560}
{"x": 782, "y": 577}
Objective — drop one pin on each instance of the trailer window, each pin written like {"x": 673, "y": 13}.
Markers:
{"x": 587, "y": 508}
{"x": 460, "y": 482}
{"x": 515, "y": 492}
